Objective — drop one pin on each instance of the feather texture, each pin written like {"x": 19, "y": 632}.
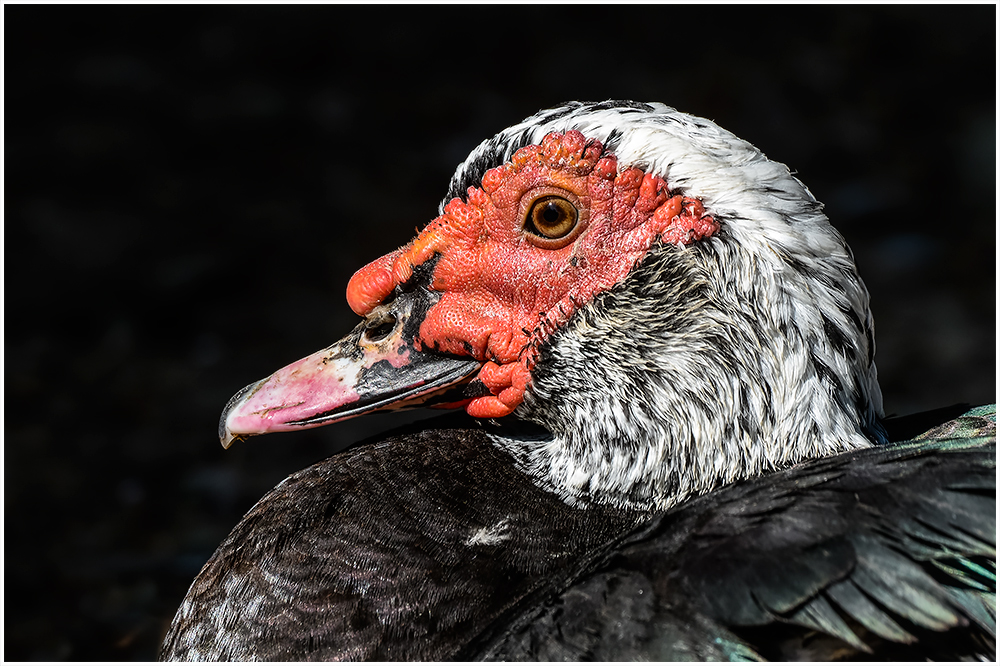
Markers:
{"x": 689, "y": 461}
{"x": 873, "y": 548}
{"x": 858, "y": 547}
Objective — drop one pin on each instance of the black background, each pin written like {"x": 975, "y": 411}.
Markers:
{"x": 190, "y": 188}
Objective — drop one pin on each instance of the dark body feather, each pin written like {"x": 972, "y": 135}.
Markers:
{"x": 380, "y": 553}
{"x": 372, "y": 554}
{"x": 882, "y": 549}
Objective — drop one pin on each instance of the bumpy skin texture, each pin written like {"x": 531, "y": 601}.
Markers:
{"x": 676, "y": 370}
{"x": 504, "y": 290}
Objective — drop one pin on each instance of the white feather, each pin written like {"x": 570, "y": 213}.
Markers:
{"x": 627, "y": 425}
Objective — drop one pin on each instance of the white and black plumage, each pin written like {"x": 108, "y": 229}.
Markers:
{"x": 640, "y": 309}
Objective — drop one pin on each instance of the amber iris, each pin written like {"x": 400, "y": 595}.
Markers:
{"x": 551, "y": 217}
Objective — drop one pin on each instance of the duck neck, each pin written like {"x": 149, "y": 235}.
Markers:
{"x": 664, "y": 388}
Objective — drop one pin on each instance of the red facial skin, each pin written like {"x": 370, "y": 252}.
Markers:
{"x": 503, "y": 289}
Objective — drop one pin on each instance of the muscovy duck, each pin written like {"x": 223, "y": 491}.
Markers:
{"x": 672, "y": 446}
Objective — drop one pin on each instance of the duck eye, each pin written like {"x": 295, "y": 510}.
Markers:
{"x": 551, "y": 217}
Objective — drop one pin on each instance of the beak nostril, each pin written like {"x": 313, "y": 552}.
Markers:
{"x": 379, "y": 330}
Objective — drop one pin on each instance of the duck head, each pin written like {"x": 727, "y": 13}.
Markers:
{"x": 672, "y": 307}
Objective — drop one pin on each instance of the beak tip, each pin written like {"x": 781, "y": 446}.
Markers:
{"x": 227, "y": 436}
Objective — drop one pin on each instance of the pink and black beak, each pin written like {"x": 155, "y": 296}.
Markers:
{"x": 380, "y": 365}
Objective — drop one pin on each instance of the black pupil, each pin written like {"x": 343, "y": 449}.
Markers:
{"x": 551, "y": 213}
